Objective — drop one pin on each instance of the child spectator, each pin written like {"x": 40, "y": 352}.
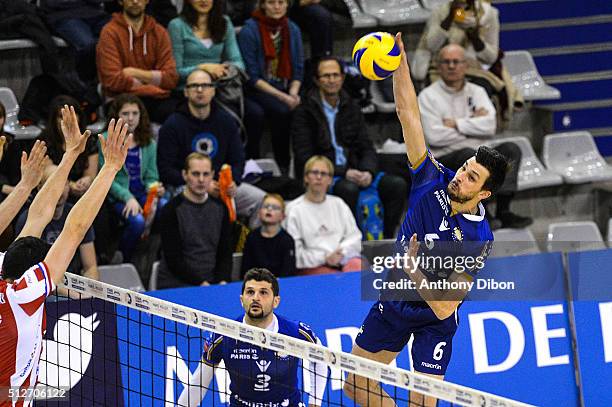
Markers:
{"x": 132, "y": 183}
{"x": 270, "y": 246}
{"x": 325, "y": 232}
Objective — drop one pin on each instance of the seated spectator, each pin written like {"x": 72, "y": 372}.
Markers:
{"x": 203, "y": 38}
{"x": 134, "y": 55}
{"x": 79, "y": 23}
{"x": 316, "y": 20}
{"x": 195, "y": 232}
{"x": 330, "y": 123}
{"x": 473, "y": 24}
{"x": 326, "y": 236}
{"x": 84, "y": 263}
{"x": 270, "y": 246}
{"x": 271, "y": 46}
{"x": 133, "y": 182}
{"x": 86, "y": 167}
{"x": 201, "y": 126}
{"x": 457, "y": 117}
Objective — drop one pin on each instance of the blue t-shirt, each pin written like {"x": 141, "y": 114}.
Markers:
{"x": 132, "y": 164}
{"x": 260, "y": 375}
{"x": 429, "y": 214}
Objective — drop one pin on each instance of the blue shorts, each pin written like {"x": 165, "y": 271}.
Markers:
{"x": 390, "y": 324}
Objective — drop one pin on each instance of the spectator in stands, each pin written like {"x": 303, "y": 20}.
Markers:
{"x": 79, "y": 23}
{"x": 139, "y": 174}
{"x": 316, "y": 20}
{"x": 473, "y": 24}
{"x": 202, "y": 126}
{"x": 270, "y": 246}
{"x": 86, "y": 166}
{"x": 271, "y": 46}
{"x": 195, "y": 231}
{"x": 326, "y": 236}
{"x": 458, "y": 117}
{"x": 202, "y": 37}
{"x": 134, "y": 55}
{"x": 330, "y": 123}
{"x": 84, "y": 263}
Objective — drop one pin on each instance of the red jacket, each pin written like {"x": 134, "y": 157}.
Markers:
{"x": 150, "y": 49}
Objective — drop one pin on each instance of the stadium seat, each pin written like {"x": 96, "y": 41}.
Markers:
{"x": 433, "y": 4}
{"x": 395, "y": 12}
{"x": 610, "y": 232}
{"x": 22, "y": 43}
{"x": 236, "y": 266}
{"x": 269, "y": 165}
{"x": 514, "y": 242}
{"x": 154, "y": 276}
{"x": 532, "y": 173}
{"x": 575, "y": 157}
{"x": 378, "y": 100}
{"x": 574, "y": 237}
{"x": 525, "y": 76}
{"x": 359, "y": 18}
{"x": 11, "y": 123}
{"x": 122, "y": 275}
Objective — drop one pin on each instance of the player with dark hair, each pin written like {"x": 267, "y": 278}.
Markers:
{"x": 443, "y": 206}
{"x": 31, "y": 269}
{"x": 260, "y": 376}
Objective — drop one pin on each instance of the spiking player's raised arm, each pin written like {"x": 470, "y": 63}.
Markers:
{"x": 407, "y": 108}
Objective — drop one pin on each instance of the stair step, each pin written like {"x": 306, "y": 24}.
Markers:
{"x": 581, "y": 91}
{"x": 582, "y": 115}
{"x": 557, "y": 36}
{"x": 511, "y": 11}
{"x": 568, "y": 60}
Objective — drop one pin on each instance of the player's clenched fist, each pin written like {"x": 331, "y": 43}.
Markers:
{"x": 115, "y": 146}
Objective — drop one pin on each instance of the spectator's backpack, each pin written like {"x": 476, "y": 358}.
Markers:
{"x": 370, "y": 217}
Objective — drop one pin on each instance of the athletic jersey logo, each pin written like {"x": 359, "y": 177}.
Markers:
{"x": 205, "y": 143}
{"x": 263, "y": 379}
{"x": 443, "y": 225}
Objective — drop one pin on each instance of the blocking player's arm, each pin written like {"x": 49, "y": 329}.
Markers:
{"x": 32, "y": 167}
{"x": 196, "y": 389}
{"x": 82, "y": 215}
{"x": 43, "y": 207}
{"x": 442, "y": 302}
{"x": 407, "y": 108}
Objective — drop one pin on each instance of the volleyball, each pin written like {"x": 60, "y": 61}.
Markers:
{"x": 376, "y": 55}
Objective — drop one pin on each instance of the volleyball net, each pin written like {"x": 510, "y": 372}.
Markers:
{"x": 111, "y": 346}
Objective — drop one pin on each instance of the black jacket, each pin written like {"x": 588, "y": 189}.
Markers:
{"x": 311, "y": 136}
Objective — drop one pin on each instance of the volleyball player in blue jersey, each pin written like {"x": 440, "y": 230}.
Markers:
{"x": 259, "y": 376}
{"x": 443, "y": 207}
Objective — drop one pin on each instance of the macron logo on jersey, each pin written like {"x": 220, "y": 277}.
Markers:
{"x": 444, "y": 225}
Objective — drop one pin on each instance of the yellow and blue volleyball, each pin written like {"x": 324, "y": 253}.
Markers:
{"x": 376, "y": 55}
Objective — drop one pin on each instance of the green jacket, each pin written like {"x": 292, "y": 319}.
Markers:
{"x": 120, "y": 190}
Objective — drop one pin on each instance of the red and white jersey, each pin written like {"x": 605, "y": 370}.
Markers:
{"x": 23, "y": 324}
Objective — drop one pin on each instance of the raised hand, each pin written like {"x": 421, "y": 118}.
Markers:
{"x": 400, "y": 78}
{"x": 2, "y": 142}
{"x": 75, "y": 141}
{"x": 32, "y": 167}
{"x": 116, "y": 145}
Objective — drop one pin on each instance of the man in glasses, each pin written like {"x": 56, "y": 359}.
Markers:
{"x": 458, "y": 117}
{"x": 330, "y": 123}
{"x": 196, "y": 240}
{"x": 202, "y": 126}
